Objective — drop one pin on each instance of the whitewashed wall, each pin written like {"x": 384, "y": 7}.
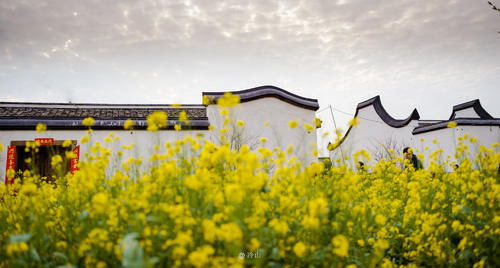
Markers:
{"x": 466, "y": 113}
{"x": 277, "y": 113}
{"x": 447, "y": 140}
{"x": 370, "y": 134}
{"x": 144, "y": 141}
{"x": 254, "y": 113}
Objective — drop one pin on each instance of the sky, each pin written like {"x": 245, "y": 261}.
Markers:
{"x": 428, "y": 55}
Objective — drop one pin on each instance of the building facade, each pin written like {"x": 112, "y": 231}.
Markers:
{"x": 381, "y": 135}
{"x": 264, "y": 110}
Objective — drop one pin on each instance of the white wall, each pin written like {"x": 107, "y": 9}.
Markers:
{"x": 143, "y": 139}
{"x": 254, "y": 113}
{"x": 466, "y": 113}
{"x": 370, "y": 134}
{"x": 447, "y": 140}
{"x": 277, "y": 113}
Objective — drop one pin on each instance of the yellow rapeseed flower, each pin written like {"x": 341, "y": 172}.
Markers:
{"x": 380, "y": 219}
{"x": 67, "y": 143}
{"x": 28, "y": 188}
{"x": 89, "y": 121}
{"x": 99, "y": 202}
{"x": 308, "y": 127}
{"x": 300, "y": 249}
{"x": 183, "y": 117}
{"x": 317, "y": 122}
{"x": 224, "y": 112}
{"x": 331, "y": 147}
{"x": 228, "y": 100}
{"x": 254, "y": 244}
{"x": 40, "y": 128}
{"x": 340, "y": 245}
{"x": 201, "y": 256}
{"x": 56, "y": 160}
{"x": 240, "y": 123}
{"x": 157, "y": 120}
{"x": 207, "y": 100}
{"x": 84, "y": 139}
{"x": 129, "y": 124}
{"x": 452, "y": 124}
{"x": 293, "y": 124}
{"x": 354, "y": 122}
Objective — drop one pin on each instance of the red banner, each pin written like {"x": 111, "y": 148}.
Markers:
{"x": 11, "y": 163}
{"x": 45, "y": 141}
{"x": 75, "y": 160}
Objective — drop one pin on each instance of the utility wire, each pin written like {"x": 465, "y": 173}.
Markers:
{"x": 335, "y": 125}
{"x": 346, "y": 113}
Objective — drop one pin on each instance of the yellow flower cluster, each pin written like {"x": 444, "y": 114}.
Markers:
{"x": 157, "y": 120}
{"x": 204, "y": 205}
{"x": 40, "y": 128}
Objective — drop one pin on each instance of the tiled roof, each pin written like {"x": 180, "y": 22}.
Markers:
{"x": 460, "y": 122}
{"x": 476, "y": 105}
{"x": 268, "y": 91}
{"x": 22, "y": 110}
{"x": 107, "y": 116}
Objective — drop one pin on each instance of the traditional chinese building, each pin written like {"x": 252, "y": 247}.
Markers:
{"x": 264, "y": 110}
{"x": 379, "y": 133}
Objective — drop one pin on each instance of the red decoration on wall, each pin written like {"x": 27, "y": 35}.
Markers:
{"x": 75, "y": 160}
{"x": 45, "y": 141}
{"x": 11, "y": 163}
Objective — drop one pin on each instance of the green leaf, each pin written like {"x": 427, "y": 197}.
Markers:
{"x": 83, "y": 215}
{"x": 18, "y": 238}
{"x": 132, "y": 253}
{"x": 154, "y": 260}
{"x": 58, "y": 256}
{"x": 34, "y": 255}
{"x": 153, "y": 219}
{"x": 275, "y": 254}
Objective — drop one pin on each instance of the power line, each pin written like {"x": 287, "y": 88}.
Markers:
{"x": 346, "y": 113}
{"x": 335, "y": 125}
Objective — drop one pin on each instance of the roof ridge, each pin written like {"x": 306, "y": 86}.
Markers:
{"x": 475, "y": 104}
{"x": 269, "y": 91}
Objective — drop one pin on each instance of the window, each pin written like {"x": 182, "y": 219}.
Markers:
{"x": 38, "y": 160}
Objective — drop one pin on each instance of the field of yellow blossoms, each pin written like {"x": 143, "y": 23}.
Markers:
{"x": 204, "y": 205}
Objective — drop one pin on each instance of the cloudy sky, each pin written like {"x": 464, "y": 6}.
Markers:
{"x": 428, "y": 55}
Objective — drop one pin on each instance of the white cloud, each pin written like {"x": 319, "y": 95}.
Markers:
{"x": 339, "y": 51}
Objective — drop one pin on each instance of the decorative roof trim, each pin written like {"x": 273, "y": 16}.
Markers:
{"x": 476, "y": 105}
{"x": 97, "y": 105}
{"x": 99, "y": 124}
{"x": 382, "y": 113}
{"x": 116, "y": 112}
{"x": 459, "y": 121}
{"x": 269, "y": 91}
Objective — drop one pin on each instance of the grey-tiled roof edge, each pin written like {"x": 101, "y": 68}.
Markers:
{"x": 48, "y": 111}
{"x": 269, "y": 91}
{"x": 460, "y": 122}
{"x": 99, "y": 124}
{"x": 384, "y": 115}
{"x": 476, "y": 105}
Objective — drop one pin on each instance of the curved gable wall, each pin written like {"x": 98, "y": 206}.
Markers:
{"x": 470, "y": 109}
{"x": 269, "y": 91}
{"x": 277, "y": 113}
{"x": 376, "y": 127}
